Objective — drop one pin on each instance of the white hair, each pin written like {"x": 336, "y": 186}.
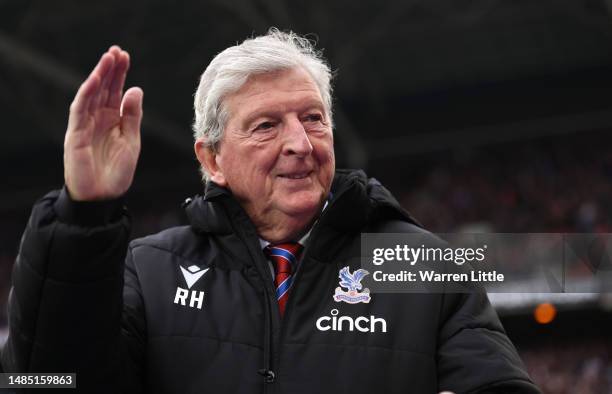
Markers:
{"x": 231, "y": 68}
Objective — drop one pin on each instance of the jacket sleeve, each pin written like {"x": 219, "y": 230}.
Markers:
{"x": 66, "y": 305}
{"x": 474, "y": 353}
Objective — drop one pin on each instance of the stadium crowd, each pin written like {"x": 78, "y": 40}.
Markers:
{"x": 539, "y": 187}
{"x": 581, "y": 367}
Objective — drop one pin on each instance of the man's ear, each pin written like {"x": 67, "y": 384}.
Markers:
{"x": 209, "y": 160}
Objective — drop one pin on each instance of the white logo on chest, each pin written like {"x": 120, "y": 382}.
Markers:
{"x": 195, "y": 298}
{"x": 348, "y": 323}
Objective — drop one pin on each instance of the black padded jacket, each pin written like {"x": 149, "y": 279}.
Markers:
{"x": 192, "y": 309}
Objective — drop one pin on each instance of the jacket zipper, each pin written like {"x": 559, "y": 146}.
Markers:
{"x": 305, "y": 256}
{"x": 270, "y": 305}
{"x": 271, "y": 311}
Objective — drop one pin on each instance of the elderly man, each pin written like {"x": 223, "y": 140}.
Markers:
{"x": 242, "y": 299}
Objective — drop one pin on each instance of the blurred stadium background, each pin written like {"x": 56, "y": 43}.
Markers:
{"x": 480, "y": 115}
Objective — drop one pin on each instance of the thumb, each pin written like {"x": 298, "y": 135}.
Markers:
{"x": 131, "y": 110}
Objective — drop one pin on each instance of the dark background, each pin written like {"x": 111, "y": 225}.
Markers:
{"x": 478, "y": 115}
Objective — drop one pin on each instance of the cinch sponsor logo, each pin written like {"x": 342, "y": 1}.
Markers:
{"x": 348, "y": 323}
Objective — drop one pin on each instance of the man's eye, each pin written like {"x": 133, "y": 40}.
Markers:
{"x": 313, "y": 118}
{"x": 264, "y": 126}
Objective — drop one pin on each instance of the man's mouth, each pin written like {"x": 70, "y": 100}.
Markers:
{"x": 300, "y": 175}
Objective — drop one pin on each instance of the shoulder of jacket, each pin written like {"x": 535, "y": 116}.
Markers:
{"x": 175, "y": 240}
{"x": 402, "y": 226}
{"x": 399, "y": 226}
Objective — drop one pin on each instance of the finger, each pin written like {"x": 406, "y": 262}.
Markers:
{"x": 116, "y": 85}
{"x": 103, "y": 64}
{"x": 103, "y": 70}
{"x": 87, "y": 92}
{"x": 79, "y": 108}
{"x": 115, "y": 51}
{"x": 89, "y": 87}
{"x": 131, "y": 111}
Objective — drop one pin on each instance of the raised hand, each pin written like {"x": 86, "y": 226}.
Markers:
{"x": 102, "y": 141}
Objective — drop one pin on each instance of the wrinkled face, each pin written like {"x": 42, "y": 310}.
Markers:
{"x": 276, "y": 154}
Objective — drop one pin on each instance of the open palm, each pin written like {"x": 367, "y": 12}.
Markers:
{"x": 102, "y": 141}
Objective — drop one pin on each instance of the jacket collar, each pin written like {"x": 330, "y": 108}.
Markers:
{"x": 206, "y": 214}
{"x": 364, "y": 200}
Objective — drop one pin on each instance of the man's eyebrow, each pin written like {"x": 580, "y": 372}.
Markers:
{"x": 262, "y": 113}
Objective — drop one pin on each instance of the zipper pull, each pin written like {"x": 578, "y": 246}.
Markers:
{"x": 268, "y": 375}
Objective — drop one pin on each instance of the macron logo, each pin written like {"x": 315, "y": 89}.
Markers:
{"x": 192, "y": 274}
{"x": 196, "y": 297}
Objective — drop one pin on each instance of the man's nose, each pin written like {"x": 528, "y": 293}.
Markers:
{"x": 296, "y": 139}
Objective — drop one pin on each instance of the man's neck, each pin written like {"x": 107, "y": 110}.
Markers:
{"x": 289, "y": 228}
{"x": 286, "y": 229}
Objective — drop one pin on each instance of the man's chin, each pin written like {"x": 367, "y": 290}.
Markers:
{"x": 304, "y": 206}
